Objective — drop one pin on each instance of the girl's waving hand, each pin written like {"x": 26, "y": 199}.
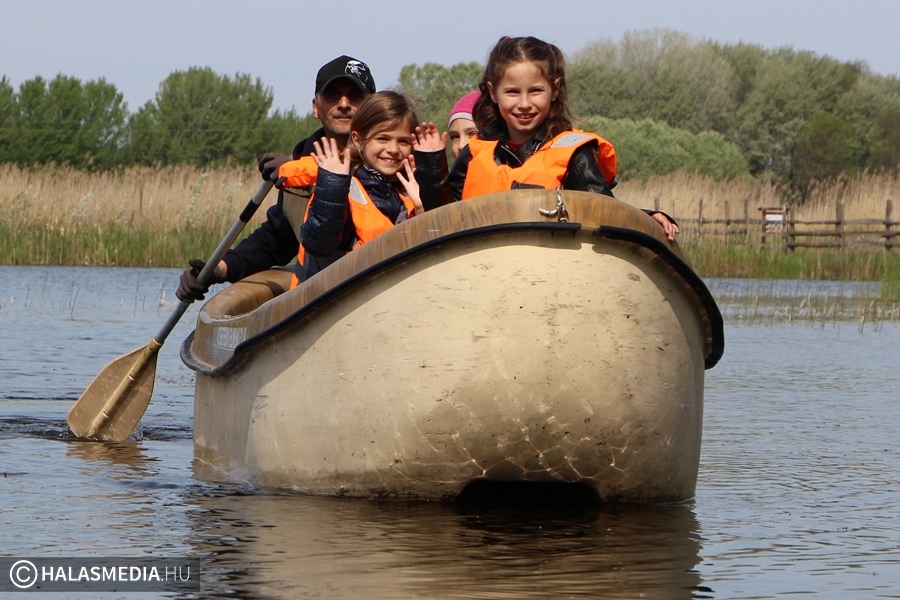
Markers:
{"x": 328, "y": 157}
{"x": 427, "y": 138}
{"x": 410, "y": 184}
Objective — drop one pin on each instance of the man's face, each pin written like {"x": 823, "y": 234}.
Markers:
{"x": 336, "y": 105}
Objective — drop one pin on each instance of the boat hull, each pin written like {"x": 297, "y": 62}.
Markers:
{"x": 516, "y": 354}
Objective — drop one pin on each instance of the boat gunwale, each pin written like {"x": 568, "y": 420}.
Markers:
{"x": 713, "y": 322}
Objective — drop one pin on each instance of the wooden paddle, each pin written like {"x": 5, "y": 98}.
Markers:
{"x": 113, "y": 404}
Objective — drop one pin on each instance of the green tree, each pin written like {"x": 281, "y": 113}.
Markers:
{"x": 603, "y": 90}
{"x": 859, "y": 107}
{"x": 102, "y": 127}
{"x": 822, "y": 150}
{"x": 886, "y": 143}
{"x": 746, "y": 61}
{"x": 283, "y": 130}
{"x": 661, "y": 75}
{"x": 647, "y": 148}
{"x": 789, "y": 88}
{"x": 436, "y": 88}
{"x": 67, "y": 122}
{"x": 200, "y": 117}
{"x": 7, "y": 120}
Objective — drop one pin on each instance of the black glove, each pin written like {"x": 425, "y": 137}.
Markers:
{"x": 189, "y": 289}
{"x": 269, "y": 163}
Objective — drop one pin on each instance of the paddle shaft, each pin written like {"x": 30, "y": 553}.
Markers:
{"x": 144, "y": 365}
{"x": 208, "y": 269}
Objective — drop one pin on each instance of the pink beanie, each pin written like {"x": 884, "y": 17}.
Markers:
{"x": 463, "y": 107}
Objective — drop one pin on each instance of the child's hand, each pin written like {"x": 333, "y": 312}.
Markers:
{"x": 410, "y": 184}
{"x": 427, "y": 138}
{"x": 668, "y": 226}
{"x": 328, "y": 157}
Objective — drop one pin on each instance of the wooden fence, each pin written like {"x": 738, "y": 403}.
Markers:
{"x": 776, "y": 225}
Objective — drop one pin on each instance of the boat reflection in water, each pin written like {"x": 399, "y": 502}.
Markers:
{"x": 532, "y": 335}
{"x": 344, "y": 548}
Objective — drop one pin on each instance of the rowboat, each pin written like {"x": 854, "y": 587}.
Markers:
{"x": 527, "y": 336}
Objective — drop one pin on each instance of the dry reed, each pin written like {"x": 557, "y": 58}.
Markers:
{"x": 162, "y": 217}
{"x": 156, "y": 198}
{"x": 164, "y": 198}
{"x": 137, "y": 217}
{"x": 864, "y": 196}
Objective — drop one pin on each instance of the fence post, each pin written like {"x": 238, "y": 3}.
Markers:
{"x": 839, "y": 223}
{"x": 727, "y": 222}
{"x": 787, "y": 237}
{"x": 747, "y": 220}
{"x": 700, "y": 219}
{"x": 888, "y": 224}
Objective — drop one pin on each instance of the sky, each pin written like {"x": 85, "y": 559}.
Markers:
{"x": 136, "y": 45}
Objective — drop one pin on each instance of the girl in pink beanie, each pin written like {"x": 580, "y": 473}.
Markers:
{"x": 461, "y": 127}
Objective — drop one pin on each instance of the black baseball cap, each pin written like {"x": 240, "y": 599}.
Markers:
{"x": 346, "y": 66}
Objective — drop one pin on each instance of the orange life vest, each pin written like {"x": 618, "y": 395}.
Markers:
{"x": 546, "y": 167}
{"x": 299, "y": 173}
{"x": 368, "y": 221}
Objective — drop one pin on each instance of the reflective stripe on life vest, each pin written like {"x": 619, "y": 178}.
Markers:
{"x": 368, "y": 221}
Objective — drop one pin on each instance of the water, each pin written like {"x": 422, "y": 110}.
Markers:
{"x": 797, "y": 495}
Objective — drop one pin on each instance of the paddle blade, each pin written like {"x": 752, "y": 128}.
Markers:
{"x": 113, "y": 404}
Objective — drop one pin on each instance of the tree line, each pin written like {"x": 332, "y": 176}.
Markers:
{"x": 668, "y": 102}
{"x": 196, "y": 117}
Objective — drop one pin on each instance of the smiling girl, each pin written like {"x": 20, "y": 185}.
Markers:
{"x": 526, "y": 138}
{"x": 369, "y": 187}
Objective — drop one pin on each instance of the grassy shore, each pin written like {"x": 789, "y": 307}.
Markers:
{"x": 140, "y": 217}
{"x": 163, "y": 217}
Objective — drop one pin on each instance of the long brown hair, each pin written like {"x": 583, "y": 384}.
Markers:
{"x": 379, "y": 112}
{"x": 548, "y": 58}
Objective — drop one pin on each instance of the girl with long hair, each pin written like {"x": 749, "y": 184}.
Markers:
{"x": 525, "y": 135}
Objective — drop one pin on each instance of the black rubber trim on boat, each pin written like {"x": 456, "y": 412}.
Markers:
{"x": 684, "y": 270}
{"x": 646, "y": 240}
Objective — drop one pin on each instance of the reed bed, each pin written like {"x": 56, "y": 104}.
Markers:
{"x": 713, "y": 258}
{"x": 762, "y": 301}
{"x": 680, "y": 194}
{"x": 162, "y": 217}
{"x": 137, "y": 217}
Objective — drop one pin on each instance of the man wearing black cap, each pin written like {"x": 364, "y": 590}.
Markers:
{"x": 340, "y": 87}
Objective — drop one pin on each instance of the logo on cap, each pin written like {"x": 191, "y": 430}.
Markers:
{"x": 356, "y": 68}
